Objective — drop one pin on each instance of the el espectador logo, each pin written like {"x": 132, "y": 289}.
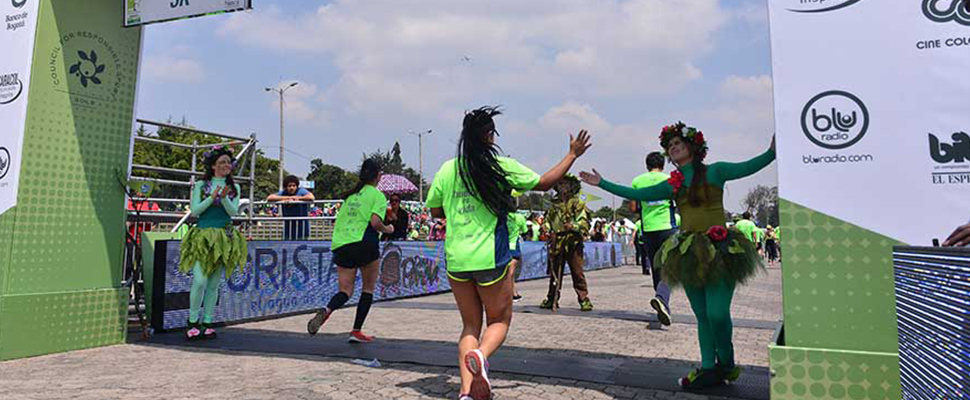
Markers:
{"x": 835, "y": 119}
{"x": 947, "y": 11}
{"x": 820, "y": 6}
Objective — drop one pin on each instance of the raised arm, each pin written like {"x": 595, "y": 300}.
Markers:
{"x": 577, "y": 147}
{"x": 726, "y": 171}
{"x": 660, "y": 191}
{"x": 198, "y": 205}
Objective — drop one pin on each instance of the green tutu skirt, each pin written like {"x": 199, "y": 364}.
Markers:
{"x": 693, "y": 259}
{"x": 213, "y": 248}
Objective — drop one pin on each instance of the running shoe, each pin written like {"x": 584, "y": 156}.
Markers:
{"x": 700, "y": 379}
{"x": 208, "y": 332}
{"x": 359, "y": 337}
{"x": 586, "y": 305}
{"x": 516, "y": 298}
{"x": 313, "y": 326}
{"x": 729, "y": 374}
{"x": 478, "y": 366}
{"x": 546, "y": 304}
{"x": 193, "y": 333}
{"x": 662, "y": 313}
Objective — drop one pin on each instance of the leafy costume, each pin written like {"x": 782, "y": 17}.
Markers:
{"x": 706, "y": 258}
{"x": 566, "y": 245}
{"x": 212, "y": 247}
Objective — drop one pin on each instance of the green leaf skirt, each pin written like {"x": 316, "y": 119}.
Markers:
{"x": 691, "y": 258}
{"x": 213, "y": 248}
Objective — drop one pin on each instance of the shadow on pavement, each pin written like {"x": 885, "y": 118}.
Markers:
{"x": 574, "y": 365}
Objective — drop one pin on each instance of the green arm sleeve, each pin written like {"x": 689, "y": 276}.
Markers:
{"x": 231, "y": 206}
{"x": 198, "y": 205}
{"x": 725, "y": 171}
{"x": 660, "y": 191}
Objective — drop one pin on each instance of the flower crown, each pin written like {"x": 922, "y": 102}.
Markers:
{"x": 221, "y": 149}
{"x": 691, "y": 136}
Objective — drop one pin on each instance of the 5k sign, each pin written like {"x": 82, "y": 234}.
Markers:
{"x": 17, "y": 35}
{"x": 138, "y": 12}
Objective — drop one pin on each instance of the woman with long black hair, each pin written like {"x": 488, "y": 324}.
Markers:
{"x": 474, "y": 191}
{"x": 213, "y": 248}
{"x": 356, "y": 246}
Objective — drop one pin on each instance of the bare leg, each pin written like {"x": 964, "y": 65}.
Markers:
{"x": 470, "y": 308}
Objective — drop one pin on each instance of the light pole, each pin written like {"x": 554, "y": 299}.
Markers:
{"x": 420, "y": 136}
{"x": 281, "y": 90}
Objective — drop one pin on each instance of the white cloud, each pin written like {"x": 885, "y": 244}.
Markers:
{"x": 302, "y": 104}
{"x": 173, "y": 69}
{"x": 405, "y": 57}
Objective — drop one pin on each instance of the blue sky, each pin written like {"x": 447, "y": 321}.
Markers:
{"x": 370, "y": 71}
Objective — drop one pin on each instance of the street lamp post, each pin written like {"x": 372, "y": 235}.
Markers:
{"x": 281, "y": 90}
{"x": 420, "y": 135}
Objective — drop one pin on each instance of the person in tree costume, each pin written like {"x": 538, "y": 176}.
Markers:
{"x": 568, "y": 223}
{"x": 706, "y": 258}
{"x": 213, "y": 248}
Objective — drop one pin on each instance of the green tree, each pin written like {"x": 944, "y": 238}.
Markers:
{"x": 392, "y": 163}
{"x": 762, "y": 202}
{"x": 330, "y": 181}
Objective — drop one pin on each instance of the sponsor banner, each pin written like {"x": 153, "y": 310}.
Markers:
{"x": 140, "y": 12}
{"x": 870, "y": 112}
{"x": 292, "y": 277}
{"x": 17, "y": 35}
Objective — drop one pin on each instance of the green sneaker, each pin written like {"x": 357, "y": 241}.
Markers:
{"x": 586, "y": 305}
{"x": 729, "y": 374}
{"x": 546, "y": 304}
{"x": 700, "y": 379}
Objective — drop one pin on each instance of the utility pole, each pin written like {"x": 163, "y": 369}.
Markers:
{"x": 281, "y": 90}
{"x": 420, "y": 136}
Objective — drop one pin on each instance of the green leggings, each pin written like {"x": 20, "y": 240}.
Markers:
{"x": 209, "y": 285}
{"x": 712, "y": 307}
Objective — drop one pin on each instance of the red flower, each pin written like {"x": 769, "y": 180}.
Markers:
{"x": 717, "y": 233}
{"x": 676, "y": 180}
{"x": 699, "y": 138}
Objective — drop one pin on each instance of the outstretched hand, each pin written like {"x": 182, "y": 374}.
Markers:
{"x": 593, "y": 178}
{"x": 959, "y": 238}
{"x": 579, "y": 144}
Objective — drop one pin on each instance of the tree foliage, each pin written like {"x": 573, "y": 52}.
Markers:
{"x": 762, "y": 202}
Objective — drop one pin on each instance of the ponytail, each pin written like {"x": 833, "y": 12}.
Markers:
{"x": 369, "y": 171}
{"x": 478, "y": 164}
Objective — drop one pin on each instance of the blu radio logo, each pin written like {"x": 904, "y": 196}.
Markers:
{"x": 947, "y": 11}
{"x": 18, "y": 4}
{"x": 956, "y": 152}
{"x": 835, "y": 119}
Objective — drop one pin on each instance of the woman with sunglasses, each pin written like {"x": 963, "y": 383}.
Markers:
{"x": 474, "y": 191}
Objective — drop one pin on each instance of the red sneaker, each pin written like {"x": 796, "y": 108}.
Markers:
{"x": 359, "y": 337}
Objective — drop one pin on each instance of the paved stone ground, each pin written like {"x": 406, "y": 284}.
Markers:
{"x": 136, "y": 371}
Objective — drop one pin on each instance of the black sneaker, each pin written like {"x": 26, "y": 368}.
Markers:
{"x": 662, "y": 313}
{"x": 516, "y": 298}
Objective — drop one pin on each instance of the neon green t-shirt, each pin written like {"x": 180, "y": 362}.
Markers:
{"x": 748, "y": 228}
{"x": 517, "y": 226}
{"x": 470, "y": 244}
{"x": 353, "y": 219}
{"x": 656, "y": 215}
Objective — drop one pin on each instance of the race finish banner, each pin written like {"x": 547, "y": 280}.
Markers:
{"x": 17, "y": 36}
{"x": 288, "y": 277}
{"x": 873, "y": 151}
{"x": 140, "y": 12}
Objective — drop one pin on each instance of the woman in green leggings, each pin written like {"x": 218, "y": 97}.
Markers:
{"x": 706, "y": 258}
{"x": 213, "y": 248}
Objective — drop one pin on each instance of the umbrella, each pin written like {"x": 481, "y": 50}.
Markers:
{"x": 391, "y": 184}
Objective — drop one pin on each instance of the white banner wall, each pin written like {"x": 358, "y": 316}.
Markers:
{"x": 139, "y": 12}
{"x": 872, "y": 111}
{"x": 17, "y": 40}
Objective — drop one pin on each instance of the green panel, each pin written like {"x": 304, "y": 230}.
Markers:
{"x": 838, "y": 283}
{"x": 817, "y": 374}
{"x": 69, "y": 229}
{"x": 36, "y": 324}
